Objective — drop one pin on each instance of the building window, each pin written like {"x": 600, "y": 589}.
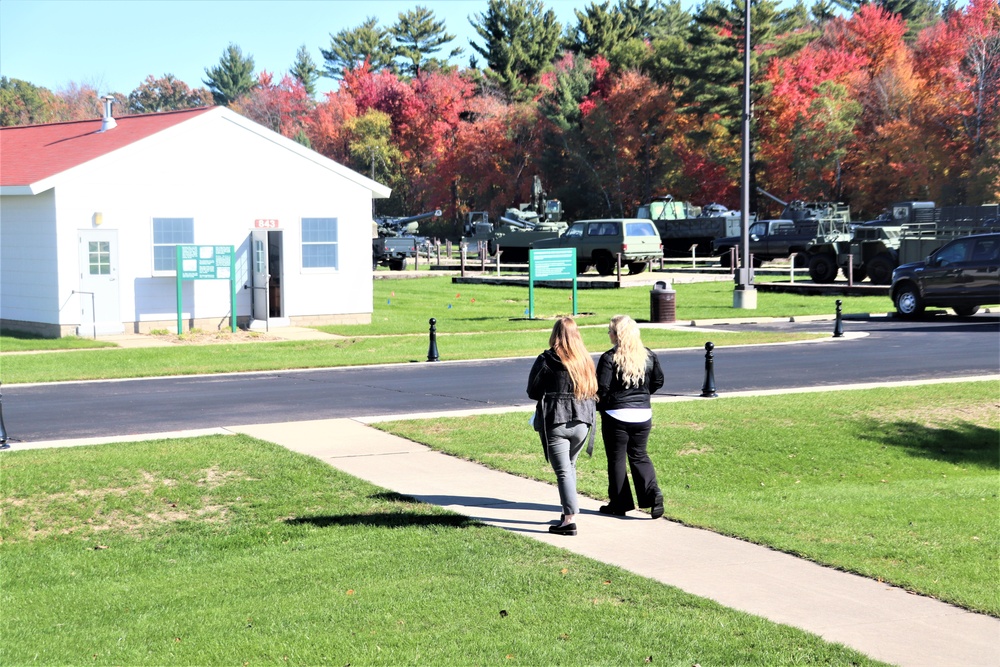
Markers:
{"x": 319, "y": 243}
{"x": 168, "y": 233}
{"x": 99, "y": 258}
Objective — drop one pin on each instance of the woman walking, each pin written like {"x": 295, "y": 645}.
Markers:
{"x": 626, "y": 375}
{"x": 564, "y": 383}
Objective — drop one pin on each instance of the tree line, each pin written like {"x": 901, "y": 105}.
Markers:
{"x": 859, "y": 102}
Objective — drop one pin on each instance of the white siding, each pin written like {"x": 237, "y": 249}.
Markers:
{"x": 28, "y": 277}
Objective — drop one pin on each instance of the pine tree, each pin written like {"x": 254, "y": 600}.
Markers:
{"x": 350, "y": 48}
{"x": 232, "y": 77}
{"x": 418, "y": 36}
{"x": 305, "y": 71}
{"x": 521, "y": 39}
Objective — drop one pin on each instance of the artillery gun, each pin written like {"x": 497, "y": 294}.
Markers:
{"x": 518, "y": 228}
{"x": 394, "y": 239}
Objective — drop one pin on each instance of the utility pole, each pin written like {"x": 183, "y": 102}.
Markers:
{"x": 745, "y": 294}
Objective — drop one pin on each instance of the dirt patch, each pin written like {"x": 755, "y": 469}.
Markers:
{"x": 198, "y": 337}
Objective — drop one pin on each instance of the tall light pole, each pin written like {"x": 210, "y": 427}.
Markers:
{"x": 745, "y": 294}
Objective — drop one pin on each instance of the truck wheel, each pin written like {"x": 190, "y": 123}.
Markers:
{"x": 491, "y": 247}
{"x": 635, "y": 268}
{"x": 397, "y": 264}
{"x": 909, "y": 303}
{"x": 879, "y": 270}
{"x": 605, "y": 265}
{"x": 859, "y": 273}
{"x": 822, "y": 269}
{"x": 725, "y": 259}
{"x": 965, "y": 311}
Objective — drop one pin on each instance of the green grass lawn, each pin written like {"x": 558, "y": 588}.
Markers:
{"x": 225, "y": 550}
{"x": 896, "y": 484}
{"x": 484, "y": 321}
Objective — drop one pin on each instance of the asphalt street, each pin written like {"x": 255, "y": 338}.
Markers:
{"x": 875, "y": 350}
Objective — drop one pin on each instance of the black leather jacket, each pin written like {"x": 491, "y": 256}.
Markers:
{"x": 549, "y": 384}
{"x": 613, "y": 395}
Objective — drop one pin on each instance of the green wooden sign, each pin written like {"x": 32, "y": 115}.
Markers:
{"x": 550, "y": 264}
{"x": 206, "y": 262}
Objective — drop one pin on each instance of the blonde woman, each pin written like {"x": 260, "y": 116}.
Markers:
{"x": 626, "y": 375}
{"x": 564, "y": 383}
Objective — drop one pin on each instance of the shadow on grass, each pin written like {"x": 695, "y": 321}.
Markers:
{"x": 961, "y": 442}
{"x": 387, "y": 520}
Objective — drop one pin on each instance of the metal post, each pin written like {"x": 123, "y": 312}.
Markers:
{"x": 618, "y": 268}
{"x": 708, "y": 389}
{"x": 432, "y": 351}
{"x": 850, "y": 270}
{"x": 499, "y": 252}
{"x": 693, "y": 266}
{"x": 838, "y": 326}
{"x": 3, "y": 429}
{"x": 461, "y": 257}
{"x": 791, "y": 268}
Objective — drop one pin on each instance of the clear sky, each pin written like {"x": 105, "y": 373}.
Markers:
{"x": 115, "y": 45}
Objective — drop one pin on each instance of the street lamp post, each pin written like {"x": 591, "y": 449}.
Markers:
{"x": 745, "y": 294}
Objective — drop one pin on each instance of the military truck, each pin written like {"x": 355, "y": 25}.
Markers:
{"x": 394, "y": 240}
{"x": 599, "y": 243}
{"x": 518, "y": 228}
{"x": 682, "y": 225}
{"x": 808, "y": 239}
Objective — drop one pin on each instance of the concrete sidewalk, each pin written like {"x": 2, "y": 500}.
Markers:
{"x": 879, "y": 620}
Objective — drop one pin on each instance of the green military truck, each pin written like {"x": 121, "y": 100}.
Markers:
{"x": 685, "y": 228}
{"x": 601, "y": 243}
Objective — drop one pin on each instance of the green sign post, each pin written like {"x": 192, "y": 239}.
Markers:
{"x": 206, "y": 262}
{"x": 550, "y": 264}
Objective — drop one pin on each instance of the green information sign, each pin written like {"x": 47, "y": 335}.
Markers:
{"x": 206, "y": 262}
{"x": 550, "y": 264}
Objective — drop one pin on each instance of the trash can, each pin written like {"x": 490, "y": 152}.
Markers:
{"x": 662, "y": 304}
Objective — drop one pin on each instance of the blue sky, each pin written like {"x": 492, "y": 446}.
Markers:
{"x": 114, "y": 45}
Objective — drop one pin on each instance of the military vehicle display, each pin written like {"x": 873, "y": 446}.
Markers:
{"x": 518, "y": 228}
{"x": 394, "y": 240}
{"x": 682, "y": 225}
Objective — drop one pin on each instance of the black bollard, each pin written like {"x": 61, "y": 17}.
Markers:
{"x": 3, "y": 429}
{"x": 432, "y": 351}
{"x": 838, "y": 326}
{"x": 708, "y": 389}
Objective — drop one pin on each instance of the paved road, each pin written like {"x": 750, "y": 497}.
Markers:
{"x": 890, "y": 351}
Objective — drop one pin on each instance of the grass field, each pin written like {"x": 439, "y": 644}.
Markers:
{"x": 898, "y": 484}
{"x": 229, "y": 551}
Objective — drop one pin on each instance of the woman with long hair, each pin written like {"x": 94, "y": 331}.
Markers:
{"x": 564, "y": 382}
{"x": 626, "y": 376}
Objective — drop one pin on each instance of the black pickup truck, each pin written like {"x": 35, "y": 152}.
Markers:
{"x": 772, "y": 239}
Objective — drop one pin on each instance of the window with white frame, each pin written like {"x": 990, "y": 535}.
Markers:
{"x": 319, "y": 243}
{"x": 168, "y": 233}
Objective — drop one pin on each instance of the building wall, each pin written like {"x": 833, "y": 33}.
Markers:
{"x": 28, "y": 282}
{"x": 215, "y": 170}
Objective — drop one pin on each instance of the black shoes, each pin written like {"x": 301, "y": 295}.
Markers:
{"x": 657, "y": 510}
{"x": 607, "y": 509}
{"x": 568, "y": 529}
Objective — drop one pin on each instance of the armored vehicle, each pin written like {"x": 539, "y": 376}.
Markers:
{"x": 394, "y": 239}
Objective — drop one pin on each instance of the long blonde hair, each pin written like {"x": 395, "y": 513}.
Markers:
{"x": 630, "y": 354}
{"x": 565, "y": 341}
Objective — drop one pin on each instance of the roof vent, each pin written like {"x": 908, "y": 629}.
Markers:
{"x": 108, "y": 121}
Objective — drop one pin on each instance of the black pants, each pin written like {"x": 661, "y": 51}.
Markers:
{"x": 628, "y": 440}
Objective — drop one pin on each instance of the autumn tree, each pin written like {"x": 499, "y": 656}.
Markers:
{"x": 418, "y": 36}
{"x": 350, "y": 48}
{"x": 281, "y": 106}
{"x": 305, "y": 71}
{"x": 232, "y": 77}
{"x": 22, "y": 103}
{"x": 168, "y": 93}
{"x": 520, "y": 38}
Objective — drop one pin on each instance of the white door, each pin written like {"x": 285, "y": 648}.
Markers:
{"x": 100, "y": 311}
{"x": 261, "y": 273}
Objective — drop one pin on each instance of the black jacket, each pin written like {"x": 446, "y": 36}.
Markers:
{"x": 549, "y": 384}
{"x": 614, "y": 395}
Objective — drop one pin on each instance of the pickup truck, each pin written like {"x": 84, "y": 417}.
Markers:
{"x": 600, "y": 242}
{"x": 813, "y": 241}
{"x": 392, "y": 251}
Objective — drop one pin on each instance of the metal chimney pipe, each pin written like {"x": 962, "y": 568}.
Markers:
{"x": 108, "y": 121}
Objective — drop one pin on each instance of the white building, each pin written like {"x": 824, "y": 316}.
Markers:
{"x": 91, "y": 213}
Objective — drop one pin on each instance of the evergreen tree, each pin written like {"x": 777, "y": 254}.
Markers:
{"x": 418, "y": 36}
{"x": 305, "y": 71}
{"x": 520, "y": 39}
{"x": 350, "y": 48}
{"x": 918, "y": 14}
{"x": 23, "y": 103}
{"x": 232, "y": 77}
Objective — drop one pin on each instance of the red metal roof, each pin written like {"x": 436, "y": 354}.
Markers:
{"x": 31, "y": 153}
